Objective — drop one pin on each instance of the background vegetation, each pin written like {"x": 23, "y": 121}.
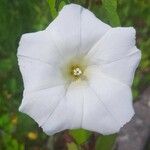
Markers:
{"x": 18, "y": 131}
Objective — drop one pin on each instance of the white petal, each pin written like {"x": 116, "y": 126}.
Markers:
{"x": 68, "y": 114}
{"x": 39, "y": 46}
{"x": 92, "y": 29}
{"x": 115, "y": 96}
{"x": 65, "y": 29}
{"x": 41, "y": 104}
{"x": 123, "y": 69}
{"x": 96, "y": 117}
{"x": 38, "y": 75}
{"x": 76, "y": 29}
{"x": 115, "y": 44}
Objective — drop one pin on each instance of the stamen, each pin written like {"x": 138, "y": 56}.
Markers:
{"x": 77, "y": 72}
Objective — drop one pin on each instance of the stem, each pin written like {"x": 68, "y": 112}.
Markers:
{"x": 88, "y": 4}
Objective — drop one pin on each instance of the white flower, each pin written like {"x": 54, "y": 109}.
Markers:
{"x": 78, "y": 73}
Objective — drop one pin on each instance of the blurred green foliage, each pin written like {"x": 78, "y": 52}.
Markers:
{"x": 16, "y": 17}
{"x": 19, "y": 132}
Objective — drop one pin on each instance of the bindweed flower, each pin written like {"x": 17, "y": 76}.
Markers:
{"x": 78, "y": 73}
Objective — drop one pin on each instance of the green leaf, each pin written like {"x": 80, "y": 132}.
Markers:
{"x": 80, "y": 136}
{"x": 105, "y": 142}
{"x": 56, "y": 6}
{"x": 110, "y": 8}
{"x": 52, "y": 5}
{"x": 60, "y": 4}
{"x": 72, "y": 146}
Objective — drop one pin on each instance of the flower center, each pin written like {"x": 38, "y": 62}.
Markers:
{"x": 74, "y": 68}
{"x": 76, "y": 71}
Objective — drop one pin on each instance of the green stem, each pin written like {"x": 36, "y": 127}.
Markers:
{"x": 88, "y": 4}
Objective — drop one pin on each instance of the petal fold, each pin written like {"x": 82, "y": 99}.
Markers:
{"x": 78, "y": 27}
{"x": 123, "y": 69}
{"x": 38, "y": 75}
{"x": 69, "y": 113}
{"x": 115, "y": 44}
{"x": 114, "y": 96}
{"x": 41, "y": 104}
{"x": 96, "y": 116}
{"x": 39, "y": 46}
